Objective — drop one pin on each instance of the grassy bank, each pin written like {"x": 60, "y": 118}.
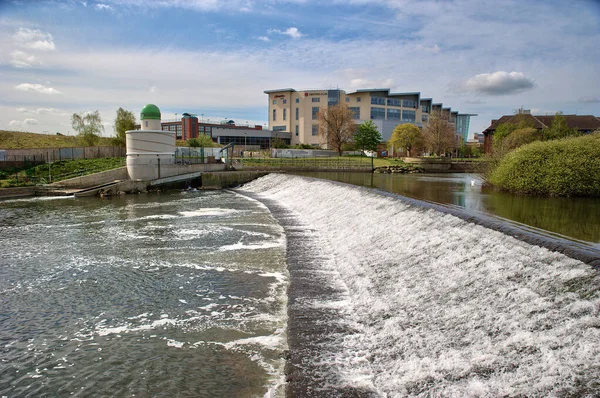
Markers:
{"x": 567, "y": 167}
{"x": 20, "y": 140}
{"x": 58, "y": 171}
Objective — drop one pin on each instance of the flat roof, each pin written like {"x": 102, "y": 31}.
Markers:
{"x": 278, "y": 90}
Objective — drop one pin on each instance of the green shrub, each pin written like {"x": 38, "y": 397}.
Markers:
{"x": 567, "y": 167}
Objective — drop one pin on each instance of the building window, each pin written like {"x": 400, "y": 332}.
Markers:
{"x": 316, "y": 99}
{"x": 355, "y": 112}
{"x": 315, "y": 112}
{"x": 297, "y": 100}
{"x": 274, "y": 114}
{"x": 377, "y": 113}
{"x": 377, "y": 100}
{"x": 315, "y": 129}
{"x": 357, "y": 99}
{"x": 297, "y": 128}
{"x": 146, "y": 123}
{"x": 409, "y": 116}
{"x": 297, "y": 113}
{"x": 347, "y": 99}
{"x": 279, "y": 128}
{"x": 409, "y": 104}
{"x": 393, "y": 114}
{"x": 285, "y": 101}
{"x": 393, "y": 102}
{"x": 284, "y": 114}
{"x": 424, "y": 109}
{"x": 424, "y": 118}
{"x": 274, "y": 102}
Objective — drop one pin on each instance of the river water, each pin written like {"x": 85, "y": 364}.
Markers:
{"x": 179, "y": 294}
{"x": 200, "y": 293}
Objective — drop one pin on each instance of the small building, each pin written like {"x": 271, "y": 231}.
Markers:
{"x": 585, "y": 124}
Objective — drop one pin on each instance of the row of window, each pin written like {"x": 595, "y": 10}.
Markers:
{"x": 393, "y": 114}
{"x": 374, "y": 101}
{"x": 264, "y": 142}
{"x": 284, "y": 101}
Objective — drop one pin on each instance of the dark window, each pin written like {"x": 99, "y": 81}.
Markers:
{"x": 357, "y": 99}
{"x": 378, "y": 100}
{"x": 355, "y": 112}
{"x": 284, "y": 114}
{"x": 409, "y": 116}
{"x": 315, "y": 129}
{"x": 393, "y": 114}
{"x": 316, "y": 99}
{"x": 274, "y": 114}
{"x": 297, "y": 100}
{"x": 297, "y": 128}
{"x": 393, "y": 102}
{"x": 409, "y": 104}
{"x": 377, "y": 113}
{"x": 297, "y": 113}
{"x": 315, "y": 112}
{"x": 285, "y": 101}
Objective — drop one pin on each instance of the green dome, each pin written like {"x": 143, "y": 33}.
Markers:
{"x": 150, "y": 111}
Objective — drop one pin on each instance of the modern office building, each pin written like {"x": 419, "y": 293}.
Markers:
{"x": 296, "y": 112}
{"x": 223, "y": 133}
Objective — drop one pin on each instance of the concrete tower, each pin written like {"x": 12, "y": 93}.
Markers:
{"x": 149, "y": 148}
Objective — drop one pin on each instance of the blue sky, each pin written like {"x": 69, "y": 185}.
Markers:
{"x": 215, "y": 57}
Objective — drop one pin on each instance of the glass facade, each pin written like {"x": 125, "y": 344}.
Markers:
{"x": 377, "y": 113}
{"x": 378, "y": 100}
{"x": 279, "y": 128}
{"x": 393, "y": 114}
{"x": 409, "y": 104}
{"x": 263, "y": 142}
{"x": 355, "y": 112}
{"x": 393, "y": 102}
{"x": 333, "y": 97}
{"x": 409, "y": 116}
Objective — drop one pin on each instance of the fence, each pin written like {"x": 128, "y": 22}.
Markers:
{"x": 308, "y": 164}
{"x": 46, "y": 155}
{"x": 186, "y": 155}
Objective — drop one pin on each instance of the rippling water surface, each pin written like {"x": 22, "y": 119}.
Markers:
{"x": 172, "y": 294}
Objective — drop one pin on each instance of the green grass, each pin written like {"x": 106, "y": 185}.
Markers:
{"x": 19, "y": 140}
{"x": 58, "y": 171}
{"x": 567, "y": 167}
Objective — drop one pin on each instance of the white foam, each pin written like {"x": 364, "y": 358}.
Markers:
{"x": 208, "y": 212}
{"x": 443, "y": 307}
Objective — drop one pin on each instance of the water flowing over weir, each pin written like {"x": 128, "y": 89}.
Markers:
{"x": 387, "y": 298}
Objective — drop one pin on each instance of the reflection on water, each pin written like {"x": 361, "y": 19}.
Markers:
{"x": 577, "y": 218}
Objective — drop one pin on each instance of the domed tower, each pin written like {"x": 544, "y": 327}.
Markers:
{"x": 150, "y": 117}
{"x": 150, "y": 147}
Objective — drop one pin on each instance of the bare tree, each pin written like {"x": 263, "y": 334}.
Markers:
{"x": 439, "y": 134}
{"x": 336, "y": 126}
{"x": 88, "y": 125}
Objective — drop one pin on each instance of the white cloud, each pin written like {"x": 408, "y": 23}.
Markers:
{"x": 153, "y": 89}
{"x": 588, "y": 100}
{"x": 263, "y": 38}
{"x": 21, "y": 59}
{"x": 435, "y": 49}
{"x": 497, "y": 83}
{"x": 36, "y": 88}
{"x": 30, "y": 121}
{"x": 42, "y": 111}
{"x": 101, "y": 6}
{"x": 20, "y": 124}
{"x": 359, "y": 83}
{"x": 474, "y": 102}
{"x": 292, "y": 32}
{"x": 34, "y": 39}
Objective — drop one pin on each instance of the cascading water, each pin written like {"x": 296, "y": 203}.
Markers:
{"x": 391, "y": 299}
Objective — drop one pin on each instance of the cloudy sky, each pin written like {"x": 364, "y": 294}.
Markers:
{"x": 216, "y": 57}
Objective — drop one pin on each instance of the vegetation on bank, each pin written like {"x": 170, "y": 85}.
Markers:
{"x": 563, "y": 167}
{"x": 57, "y": 171}
{"x": 20, "y": 140}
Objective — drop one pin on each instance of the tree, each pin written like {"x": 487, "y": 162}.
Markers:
{"x": 336, "y": 126}
{"x": 124, "y": 121}
{"x": 503, "y": 130}
{"x": 521, "y": 137}
{"x": 88, "y": 125}
{"x": 406, "y": 136}
{"x": 559, "y": 128}
{"x": 202, "y": 140}
{"x": 438, "y": 134}
{"x": 367, "y": 136}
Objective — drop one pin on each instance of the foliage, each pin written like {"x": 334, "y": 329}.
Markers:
{"x": 439, "y": 136}
{"x": 503, "y": 130}
{"x": 567, "y": 167}
{"x": 336, "y": 126}
{"x": 367, "y": 136}
{"x": 278, "y": 143}
{"x": 124, "y": 121}
{"x": 20, "y": 140}
{"x": 202, "y": 141}
{"x": 302, "y": 146}
{"x": 406, "y": 136}
{"x": 521, "y": 137}
{"x": 60, "y": 170}
{"x": 88, "y": 125}
{"x": 559, "y": 128}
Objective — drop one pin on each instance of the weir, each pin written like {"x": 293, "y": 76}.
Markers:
{"x": 388, "y": 297}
